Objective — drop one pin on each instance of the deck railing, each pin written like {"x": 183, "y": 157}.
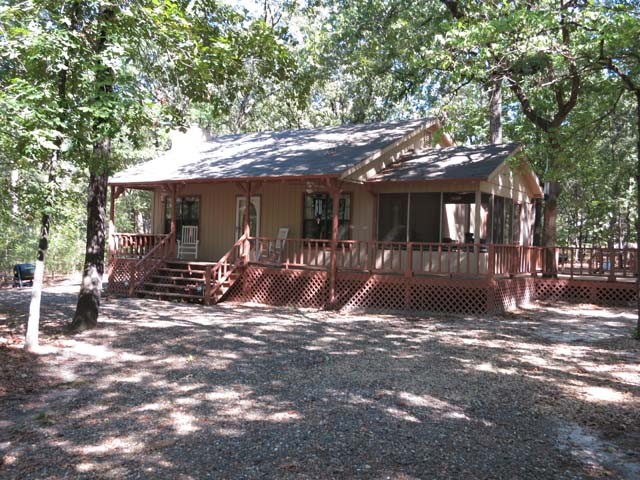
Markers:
{"x": 149, "y": 263}
{"x": 135, "y": 245}
{"x": 216, "y": 275}
{"x": 595, "y": 261}
{"x": 413, "y": 258}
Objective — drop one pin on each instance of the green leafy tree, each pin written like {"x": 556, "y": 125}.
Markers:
{"x": 82, "y": 78}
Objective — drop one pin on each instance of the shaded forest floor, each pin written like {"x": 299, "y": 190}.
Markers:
{"x": 166, "y": 390}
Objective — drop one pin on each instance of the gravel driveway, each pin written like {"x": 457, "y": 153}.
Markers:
{"x": 166, "y": 390}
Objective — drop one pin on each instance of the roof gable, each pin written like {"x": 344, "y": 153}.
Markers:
{"x": 473, "y": 163}
{"x": 467, "y": 162}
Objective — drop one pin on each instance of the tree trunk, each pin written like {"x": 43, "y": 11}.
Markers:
{"x": 549, "y": 229}
{"x": 33, "y": 324}
{"x": 537, "y": 222}
{"x": 495, "y": 112}
{"x": 86, "y": 315}
{"x": 638, "y": 210}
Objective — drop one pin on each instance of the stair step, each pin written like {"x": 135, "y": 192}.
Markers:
{"x": 170, "y": 286}
{"x": 181, "y": 270}
{"x": 170, "y": 294}
{"x": 183, "y": 279}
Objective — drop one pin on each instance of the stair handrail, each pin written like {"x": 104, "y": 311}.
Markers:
{"x": 165, "y": 246}
{"x": 224, "y": 261}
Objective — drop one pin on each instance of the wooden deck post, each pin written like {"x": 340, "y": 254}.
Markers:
{"x": 333, "y": 261}
{"x": 491, "y": 261}
{"x": 112, "y": 226}
{"x": 612, "y": 262}
{"x": 115, "y": 193}
{"x": 173, "y": 219}
{"x": 408, "y": 276}
{"x": 246, "y": 247}
{"x": 207, "y": 285}
{"x": 477, "y": 227}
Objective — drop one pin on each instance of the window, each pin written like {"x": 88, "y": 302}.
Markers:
{"x": 424, "y": 217}
{"x": 498, "y": 220}
{"x": 318, "y": 216}
{"x": 187, "y": 213}
{"x": 517, "y": 213}
{"x": 506, "y": 221}
{"x": 413, "y": 217}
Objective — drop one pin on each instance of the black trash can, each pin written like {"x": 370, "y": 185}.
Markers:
{"x": 23, "y": 273}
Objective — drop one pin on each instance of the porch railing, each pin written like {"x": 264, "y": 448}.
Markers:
{"x": 449, "y": 259}
{"x": 595, "y": 261}
{"x": 216, "y": 275}
{"x": 411, "y": 258}
{"x": 416, "y": 258}
{"x": 148, "y": 264}
{"x": 135, "y": 245}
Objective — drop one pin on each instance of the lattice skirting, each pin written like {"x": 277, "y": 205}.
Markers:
{"x": 120, "y": 275}
{"x": 362, "y": 291}
{"x": 510, "y": 293}
{"x": 583, "y": 291}
{"x": 273, "y": 286}
{"x": 387, "y": 293}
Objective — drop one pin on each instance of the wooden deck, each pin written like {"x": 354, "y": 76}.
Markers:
{"x": 388, "y": 276}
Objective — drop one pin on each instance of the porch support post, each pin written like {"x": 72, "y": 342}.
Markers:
{"x": 477, "y": 229}
{"x": 173, "y": 190}
{"x": 247, "y": 224}
{"x": 335, "y": 196}
{"x": 112, "y": 226}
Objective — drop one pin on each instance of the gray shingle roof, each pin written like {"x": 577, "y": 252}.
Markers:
{"x": 477, "y": 161}
{"x": 319, "y": 151}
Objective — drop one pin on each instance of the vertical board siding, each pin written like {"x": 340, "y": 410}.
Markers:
{"x": 282, "y": 204}
{"x": 362, "y": 204}
{"x": 281, "y": 207}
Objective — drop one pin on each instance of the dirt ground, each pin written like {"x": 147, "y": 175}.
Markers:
{"x": 167, "y": 390}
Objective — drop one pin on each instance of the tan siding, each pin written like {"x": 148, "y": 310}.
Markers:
{"x": 281, "y": 207}
{"x": 217, "y": 217}
{"x": 506, "y": 182}
{"x": 362, "y": 208}
{"x": 282, "y": 204}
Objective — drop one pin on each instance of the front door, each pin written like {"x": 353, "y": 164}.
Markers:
{"x": 254, "y": 216}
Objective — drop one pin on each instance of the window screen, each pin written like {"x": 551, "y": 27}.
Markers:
{"x": 424, "y": 217}
{"x": 392, "y": 217}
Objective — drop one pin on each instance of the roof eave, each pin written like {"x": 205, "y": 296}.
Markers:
{"x": 155, "y": 183}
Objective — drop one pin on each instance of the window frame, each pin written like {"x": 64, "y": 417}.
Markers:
{"x": 328, "y": 218}
{"x": 167, "y": 220}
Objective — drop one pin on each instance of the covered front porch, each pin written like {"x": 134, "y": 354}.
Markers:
{"x": 450, "y": 277}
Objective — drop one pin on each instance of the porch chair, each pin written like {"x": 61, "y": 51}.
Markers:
{"x": 276, "y": 248}
{"x": 189, "y": 243}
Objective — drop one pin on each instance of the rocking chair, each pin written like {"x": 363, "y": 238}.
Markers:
{"x": 188, "y": 245}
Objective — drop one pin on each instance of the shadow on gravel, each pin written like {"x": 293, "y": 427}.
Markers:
{"x": 167, "y": 390}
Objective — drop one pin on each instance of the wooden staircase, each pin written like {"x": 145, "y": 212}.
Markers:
{"x": 186, "y": 281}
{"x": 192, "y": 281}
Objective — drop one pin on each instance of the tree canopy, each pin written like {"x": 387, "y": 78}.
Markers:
{"x": 91, "y": 86}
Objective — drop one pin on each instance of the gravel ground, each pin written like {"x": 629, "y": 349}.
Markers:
{"x": 166, "y": 390}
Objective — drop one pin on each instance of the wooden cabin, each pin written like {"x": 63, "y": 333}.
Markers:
{"x": 387, "y": 216}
